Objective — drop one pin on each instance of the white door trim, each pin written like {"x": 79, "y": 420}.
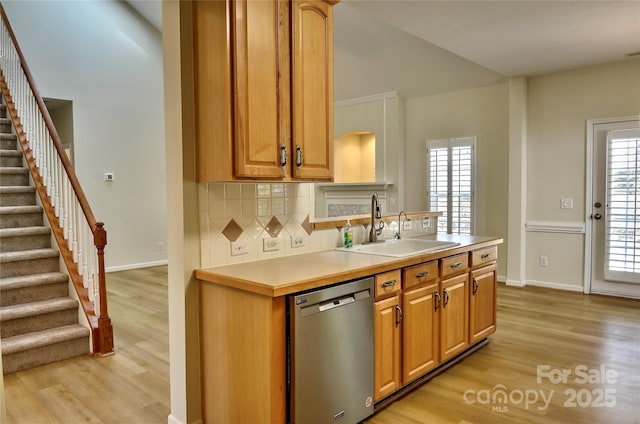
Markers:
{"x": 591, "y": 123}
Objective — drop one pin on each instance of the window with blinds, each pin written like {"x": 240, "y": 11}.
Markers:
{"x": 622, "y": 226}
{"x": 450, "y": 183}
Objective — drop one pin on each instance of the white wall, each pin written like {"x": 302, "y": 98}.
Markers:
{"x": 483, "y": 112}
{"x": 108, "y": 62}
{"x": 558, "y": 106}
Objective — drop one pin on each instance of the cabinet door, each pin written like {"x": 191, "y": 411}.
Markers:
{"x": 312, "y": 89}
{"x": 482, "y": 312}
{"x": 420, "y": 335}
{"x": 387, "y": 321}
{"x": 259, "y": 55}
{"x": 454, "y": 316}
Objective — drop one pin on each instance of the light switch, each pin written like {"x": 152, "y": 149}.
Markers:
{"x": 566, "y": 203}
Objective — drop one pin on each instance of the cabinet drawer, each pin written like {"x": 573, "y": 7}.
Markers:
{"x": 388, "y": 283}
{"x": 419, "y": 274}
{"x": 454, "y": 264}
{"x": 481, "y": 256}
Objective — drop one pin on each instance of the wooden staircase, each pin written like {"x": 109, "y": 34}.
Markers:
{"x": 38, "y": 318}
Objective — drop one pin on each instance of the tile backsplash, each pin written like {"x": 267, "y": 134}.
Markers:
{"x": 266, "y": 220}
{"x": 243, "y": 215}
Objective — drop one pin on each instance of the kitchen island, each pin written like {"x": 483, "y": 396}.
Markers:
{"x": 243, "y": 321}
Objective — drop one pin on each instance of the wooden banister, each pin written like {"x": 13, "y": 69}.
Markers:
{"x": 102, "y": 331}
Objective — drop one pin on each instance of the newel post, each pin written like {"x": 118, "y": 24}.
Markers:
{"x": 103, "y": 343}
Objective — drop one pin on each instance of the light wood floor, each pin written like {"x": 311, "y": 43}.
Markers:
{"x": 536, "y": 327}
{"x": 131, "y": 386}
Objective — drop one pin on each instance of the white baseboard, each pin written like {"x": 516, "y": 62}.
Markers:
{"x": 173, "y": 420}
{"x": 557, "y": 286}
{"x": 515, "y": 283}
{"x": 135, "y": 266}
{"x": 502, "y": 279}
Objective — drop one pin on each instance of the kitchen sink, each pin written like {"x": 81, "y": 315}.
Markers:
{"x": 400, "y": 248}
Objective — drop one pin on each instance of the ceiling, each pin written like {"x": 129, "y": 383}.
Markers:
{"x": 412, "y": 46}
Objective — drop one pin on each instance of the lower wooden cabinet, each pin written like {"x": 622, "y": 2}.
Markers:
{"x": 454, "y": 316}
{"x": 420, "y": 332}
{"x": 482, "y": 304}
{"x": 387, "y": 322}
{"x": 443, "y": 308}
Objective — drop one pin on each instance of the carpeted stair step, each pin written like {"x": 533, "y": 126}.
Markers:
{"x": 8, "y": 142}
{"x": 20, "y": 216}
{"x": 33, "y": 288}
{"x": 25, "y": 238}
{"x": 14, "y": 264}
{"x": 14, "y": 176}
{"x": 5, "y": 125}
{"x": 17, "y": 196}
{"x": 27, "y": 318}
{"x": 11, "y": 158}
{"x": 44, "y": 347}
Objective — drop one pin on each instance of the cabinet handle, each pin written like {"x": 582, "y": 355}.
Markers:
{"x": 475, "y": 286}
{"x": 446, "y": 297}
{"x": 388, "y": 284}
{"x": 398, "y": 315}
{"x": 422, "y": 274}
{"x": 456, "y": 265}
{"x": 299, "y": 156}
{"x": 437, "y": 302}
{"x": 283, "y": 155}
{"x": 485, "y": 256}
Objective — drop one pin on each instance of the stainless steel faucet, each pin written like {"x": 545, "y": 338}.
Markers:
{"x": 375, "y": 230}
{"x": 399, "y": 232}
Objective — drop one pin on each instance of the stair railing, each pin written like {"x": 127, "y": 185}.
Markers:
{"x": 81, "y": 239}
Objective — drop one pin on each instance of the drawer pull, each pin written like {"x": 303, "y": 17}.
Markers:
{"x": 456, "y": 265}
{"x": 422, "y": 274}
{"x": 388, "y": 284}
{"x": 485, "y": 256}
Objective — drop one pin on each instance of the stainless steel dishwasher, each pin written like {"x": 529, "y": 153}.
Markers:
{"x": 331, "y": 354}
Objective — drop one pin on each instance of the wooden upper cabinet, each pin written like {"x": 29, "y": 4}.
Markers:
{"x": 263, "y": 90}
{"x": 259, "y": 60}
{"x": 312, "y": 89}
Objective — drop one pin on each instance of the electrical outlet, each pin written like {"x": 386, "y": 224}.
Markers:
{"x": 160, "y": 246}
{"x": 239, "y": 248}
{"x": 297, "y": 241}
{"x": 406, "y": 225}
{"x": 544, "y": 261}
{"x": 426, "y": 223}
{"x": 270, "y": 244}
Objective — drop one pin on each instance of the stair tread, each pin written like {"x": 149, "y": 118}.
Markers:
{"x": 7, "y": 136}
{"x": 13, "y": 170}
{"x": 12, "y": 152}
{"x": 24, "y": 310}
{"x": 43, "y": 338}
{"x": 24, "y": 231}
{"x": 10, "y": 283}
{"x": 27, "y": 255}
{"x": 20, "y": 209}
{"x": 17, "y": 189}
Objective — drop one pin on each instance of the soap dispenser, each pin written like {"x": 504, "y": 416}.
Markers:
{"x": 348, "y": 234}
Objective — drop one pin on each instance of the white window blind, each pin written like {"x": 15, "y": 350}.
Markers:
{"x": 450, "y": 183}
{"x": 622, "y": 224}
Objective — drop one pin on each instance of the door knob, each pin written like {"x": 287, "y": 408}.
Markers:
{"x": 597, "y": 216}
